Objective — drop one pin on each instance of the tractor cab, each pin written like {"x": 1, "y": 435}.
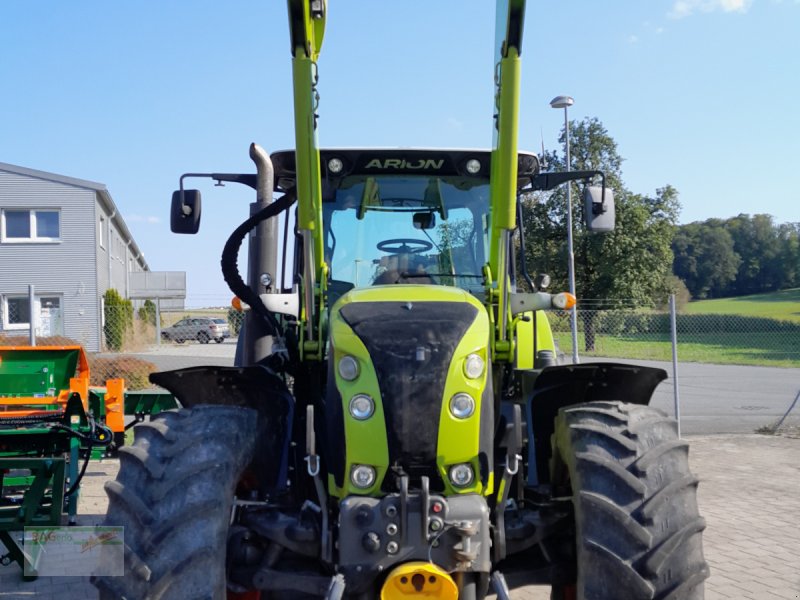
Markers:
{"x": 403, "y": 216}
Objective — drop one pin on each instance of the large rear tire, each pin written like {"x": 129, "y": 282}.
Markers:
{"x": 637, "y": 527}
{"x": 173, "y": 496}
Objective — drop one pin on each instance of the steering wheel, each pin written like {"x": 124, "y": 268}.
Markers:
{"x": 404, "y": 246}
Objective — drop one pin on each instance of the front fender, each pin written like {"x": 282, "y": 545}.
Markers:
{"x": 556, "y": 387}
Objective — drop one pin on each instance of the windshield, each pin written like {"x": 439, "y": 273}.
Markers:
{"x": 407, "y": 229}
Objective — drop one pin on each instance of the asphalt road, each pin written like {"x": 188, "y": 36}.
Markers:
{"x": 728, "y": 398}
{"x": 713, "y": 398}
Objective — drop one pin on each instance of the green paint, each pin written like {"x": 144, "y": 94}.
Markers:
{"x": 459, "y": 439}
{"x": 32, "y": 372}
{"x": 365, "y": 441}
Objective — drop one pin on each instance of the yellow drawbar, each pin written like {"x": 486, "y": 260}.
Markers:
{"x": 419, "y": 580}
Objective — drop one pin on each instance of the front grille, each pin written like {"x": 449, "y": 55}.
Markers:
{"x": 411, "y": 347}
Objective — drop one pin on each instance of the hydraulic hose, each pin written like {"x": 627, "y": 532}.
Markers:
{"x": 230, "y": 261}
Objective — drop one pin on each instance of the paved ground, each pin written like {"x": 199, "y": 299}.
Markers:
{"x": 749, "y": 495}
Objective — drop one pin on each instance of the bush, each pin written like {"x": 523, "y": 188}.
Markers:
{"x": 147, "y": 313}
{"x": 118, "y": 314}
{"x": 134, "y": 371}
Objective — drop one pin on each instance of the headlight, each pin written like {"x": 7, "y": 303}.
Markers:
{"x": 361, "y": 407}
{"x": 461, "y": 475}
{"x": 362, "y": 476}
{"x": 462, "y": 406}
{"x": 473, "y": 366}
{"x": 348, "y": 368}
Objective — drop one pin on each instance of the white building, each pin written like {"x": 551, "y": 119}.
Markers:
{"x": 65, "y": 237}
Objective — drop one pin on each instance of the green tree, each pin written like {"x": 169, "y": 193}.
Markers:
{"x": 118, "y": 314}
{"x": 633, "y": 262}
{"x": 147, "y": 312}
{"x": 789, "y": 234}
{"x": 705, "y": 258}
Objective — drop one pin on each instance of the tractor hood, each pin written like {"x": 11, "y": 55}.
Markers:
{"x": 410, "y": 343}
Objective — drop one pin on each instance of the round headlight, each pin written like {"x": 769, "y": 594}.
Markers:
{"x": 473, "y": 366}
{"x": 348, "y": 368}
{"x": 473, "y": 166}
{"x": 462, "y": 406}
{"x": 461, "y": 475}
{"x": 362, "y": 476}
{"x": 335, "y": 165}
{"x": 361, "y": 407}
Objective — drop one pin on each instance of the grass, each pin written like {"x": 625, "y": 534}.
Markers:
{"x": 761, "y": 349}
{"x": 782, "y": 306}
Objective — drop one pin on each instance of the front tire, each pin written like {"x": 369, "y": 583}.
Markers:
{"x": 637, "y": 528}
{"x": 173, "y": 496}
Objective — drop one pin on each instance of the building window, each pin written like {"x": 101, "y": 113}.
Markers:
{"x": 31, "y": 226}
{"x": 17, "y": 314}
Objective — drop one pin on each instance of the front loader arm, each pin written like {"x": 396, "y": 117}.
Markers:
{"x": 307, "y": 28}
{"x": 503, "y": 177}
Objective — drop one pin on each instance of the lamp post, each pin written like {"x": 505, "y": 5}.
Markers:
{"x": 565, "y": 102}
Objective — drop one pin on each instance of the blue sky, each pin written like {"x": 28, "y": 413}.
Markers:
{"x": 699, "y": 94}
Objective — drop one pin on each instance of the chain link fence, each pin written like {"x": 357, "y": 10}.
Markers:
{"x": 747, "y": 368}
{"x": 627, "y": 331}
{"x": 133, "y": 345}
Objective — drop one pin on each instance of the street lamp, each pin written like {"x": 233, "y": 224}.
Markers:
{"x": 565, "y": 102}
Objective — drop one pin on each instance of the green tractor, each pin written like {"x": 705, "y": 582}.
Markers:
{"x": 395, "y": 425}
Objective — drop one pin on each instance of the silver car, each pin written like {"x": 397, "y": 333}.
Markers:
{"x": 202, "y": 329}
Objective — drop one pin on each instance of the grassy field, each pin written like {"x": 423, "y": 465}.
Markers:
{"x": 783, "y": 306}
{"x": 774, "y": 350}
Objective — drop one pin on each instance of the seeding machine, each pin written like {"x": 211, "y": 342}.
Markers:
{"x": 52, "y": 423}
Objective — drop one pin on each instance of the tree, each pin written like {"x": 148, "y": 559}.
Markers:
{"x": 705, "y": 258}
{"x": 633, "y": 262}
{"x": 737, "y": 256}
{"x": 789, "y": 234}
{"x": 118, "y": 315}
{"x": 756, "y": 240}
{"x": 147, "y": 312}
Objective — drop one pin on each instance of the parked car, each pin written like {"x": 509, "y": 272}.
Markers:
{"x": 202, "y": 329}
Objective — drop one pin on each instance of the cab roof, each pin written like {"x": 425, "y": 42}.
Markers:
{"x": 336, "y": 163}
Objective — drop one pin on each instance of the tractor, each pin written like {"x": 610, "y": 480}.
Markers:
{"x": 395, "y": 424}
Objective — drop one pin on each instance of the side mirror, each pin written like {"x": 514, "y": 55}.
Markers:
{"x": 597, "y": 209}
{"x": 542, "y": 281}
{"x": 184, "y": 216}
{"x": 424, "y": 220}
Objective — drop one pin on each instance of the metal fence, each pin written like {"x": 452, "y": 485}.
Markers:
{"x": 626, "y": 331}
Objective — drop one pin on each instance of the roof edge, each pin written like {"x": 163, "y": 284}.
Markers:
{"x": 84, "y": 183}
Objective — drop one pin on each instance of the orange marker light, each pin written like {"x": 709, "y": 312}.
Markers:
{"x": 564, "y": 301}
{"x": 237, "y": 304}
